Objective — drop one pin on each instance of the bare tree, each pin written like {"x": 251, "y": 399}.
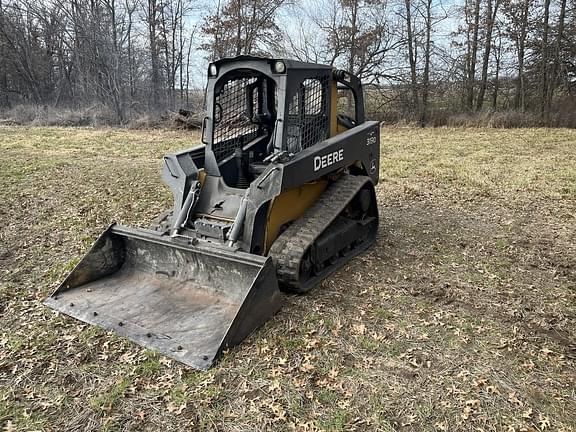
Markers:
{"x": 420, "y": 22}
{"x": 305, "y": 43}
{"x": 242, "y": 27}
{"x": 152, "y": 18}
{"x": 554, "y": 78}
{"x": 497, "y": 54}
{"x": 120, "y": 58}
{"x": 412, "y": 54}
{"x": 359, "y": 36}
{"x": 4, "y": 99}
{"x": 473, "y": 22}
{"x": 544, "y": 61}
{"x": 491, "y": 12}
{"x": 130, "y": 11}
{"x": 517, "y": 15}
{"x": 427, "y": 54}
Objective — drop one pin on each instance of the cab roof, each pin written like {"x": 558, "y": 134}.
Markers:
{"x": 290, "y": 64}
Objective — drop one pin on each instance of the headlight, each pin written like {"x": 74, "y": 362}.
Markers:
{"x": 279, "y": 67}
{"x": 212, "y": 70}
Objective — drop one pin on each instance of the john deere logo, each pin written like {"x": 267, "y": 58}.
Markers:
{"x": 328, "y": 159}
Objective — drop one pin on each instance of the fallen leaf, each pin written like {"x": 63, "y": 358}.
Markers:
{"x": 408, "y": 420}
{"x": 492, "y": 389}
{"x": 480, "y": 382}
{"x": 442, "y": 426}
{"x": 175, "y": 409}
{"x": 358, "y": 329}
{"x": 514, "y": 399}
{"x": 275, "y": 386}
{"x": 543, "y": 421}
{"x": 333, "y": 373}
{"x": 474, "y": 403}
{"x": 9, "y": 427}
{"x": 527, "y": 414}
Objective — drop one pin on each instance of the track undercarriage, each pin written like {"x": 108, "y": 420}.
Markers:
{"x": 339, "y": 226}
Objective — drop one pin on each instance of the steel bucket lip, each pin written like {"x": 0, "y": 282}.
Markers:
{"x": 161, "y": 345}
{"x": 263, "y": 283}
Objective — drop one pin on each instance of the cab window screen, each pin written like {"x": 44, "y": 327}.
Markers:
{"x": 233, "y": 126}
{"x": 307, "y": 122}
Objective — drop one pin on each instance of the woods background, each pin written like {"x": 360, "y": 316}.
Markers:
{"x": 465, "y": 62}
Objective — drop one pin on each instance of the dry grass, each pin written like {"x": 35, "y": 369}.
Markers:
{"x": 38, "y": 115}
{"x": 461, "y": 318}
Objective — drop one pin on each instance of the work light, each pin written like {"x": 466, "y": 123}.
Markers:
{"x": 279, "y": 67}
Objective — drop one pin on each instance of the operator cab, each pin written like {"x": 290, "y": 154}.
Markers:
{"x": 261, "y": 110}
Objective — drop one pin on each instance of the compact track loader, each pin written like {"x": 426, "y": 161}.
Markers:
{"x": 280, "y": 194}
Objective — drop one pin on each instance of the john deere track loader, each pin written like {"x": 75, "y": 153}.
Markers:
{"x": 280, "y": 194}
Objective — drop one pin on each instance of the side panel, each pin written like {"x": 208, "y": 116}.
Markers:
{"x": 289, "y": 206}
{"x": 360, "y": 144}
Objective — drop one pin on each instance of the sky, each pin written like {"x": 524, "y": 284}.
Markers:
{"x": 299, "y": 16}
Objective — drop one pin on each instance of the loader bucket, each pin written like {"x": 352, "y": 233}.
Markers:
{"x": 189, "y": 302}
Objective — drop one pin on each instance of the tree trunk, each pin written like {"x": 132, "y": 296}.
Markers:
{"x": 544, "y": 73}
{"x": 491, "y": 11}
{"x": 353, "y": 49}
{"x": 553, "y": 80}
{"x": 520, "y": 97}
{"x": 4, "y": 101}
{"x": 239, "y": 28}
{"x": 473, "y": 52}
{"x": 188, "y": 69}
{"x": 168, "y": 87}
{"x": 181, "y": 51}
{"x": 130, "y": 59}
{"x": 412, "y": 57}
{"x": 155, "y": 76}
{"x": 426, "y": 75}
{"x": 498, "y": 56}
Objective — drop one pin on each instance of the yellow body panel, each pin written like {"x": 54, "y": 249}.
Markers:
{"x": 334, "y": 108}
{"x": 340, "y": 128}
{"x": 201, "y": 176}
{"x": 289, "y": 206}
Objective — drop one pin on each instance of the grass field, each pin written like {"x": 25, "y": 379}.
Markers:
{"x": 462, "y": 317}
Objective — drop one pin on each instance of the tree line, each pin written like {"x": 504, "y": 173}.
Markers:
{"x": 421, "y": 60}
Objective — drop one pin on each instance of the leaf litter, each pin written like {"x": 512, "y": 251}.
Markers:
{"x": 462, "y": 317}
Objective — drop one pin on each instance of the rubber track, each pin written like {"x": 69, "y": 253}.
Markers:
{"x": 290, "y": 246}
